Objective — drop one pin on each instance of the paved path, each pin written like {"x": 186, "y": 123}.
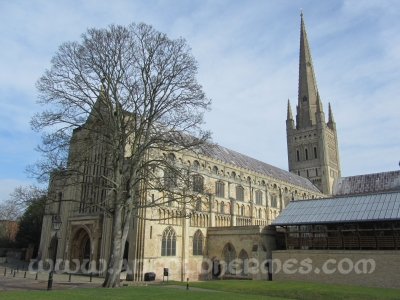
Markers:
{"x": 25, "y": 280}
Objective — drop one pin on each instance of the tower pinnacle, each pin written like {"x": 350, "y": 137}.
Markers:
{"x": 330, "y": 117}
{"x": 289, "y": 111}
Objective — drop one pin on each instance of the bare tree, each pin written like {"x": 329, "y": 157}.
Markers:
{"x": 20, "y": 198}
{"x": 118, "y": 104}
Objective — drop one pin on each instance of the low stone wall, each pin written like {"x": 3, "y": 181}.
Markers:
{"x": 353, "y": 267}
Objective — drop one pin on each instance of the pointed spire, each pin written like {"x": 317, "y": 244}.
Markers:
{"x": 307, "y": 97}
{"x": 330, "y": 117}
{"x": 289, "y": 111}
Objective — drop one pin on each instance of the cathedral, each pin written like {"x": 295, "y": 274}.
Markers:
{"x": 229, "y": 223}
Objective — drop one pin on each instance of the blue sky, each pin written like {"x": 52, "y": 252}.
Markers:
{"x": 248, "y": 55}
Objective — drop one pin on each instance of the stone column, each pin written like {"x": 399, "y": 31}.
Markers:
{"x": 233, "y": 214}
{"x": 212, "y": 211}
{"x": 252, "y": 216}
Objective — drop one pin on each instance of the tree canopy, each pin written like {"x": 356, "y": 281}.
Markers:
{"x": 118, "y": 101}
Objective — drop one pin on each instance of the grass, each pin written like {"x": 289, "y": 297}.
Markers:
{"x": 139, "y": 292}
{"x": 229, "y": 289}
{"x": 298, "y": 290}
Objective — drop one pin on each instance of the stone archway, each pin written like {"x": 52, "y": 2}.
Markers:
{"x": 216, "y": 268}
{"x": 81, "y": 248}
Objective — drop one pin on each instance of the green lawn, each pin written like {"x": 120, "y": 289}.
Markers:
{"x": 229, "y": 289}
{"x": 298, "y": 290}
{"x": 140, "y": 292}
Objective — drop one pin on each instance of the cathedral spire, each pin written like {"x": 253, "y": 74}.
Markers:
{"x": 289, "y": 111}
{"x": 307, "y": 97}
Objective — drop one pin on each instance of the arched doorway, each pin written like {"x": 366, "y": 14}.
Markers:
{"x": 216, "y": 269}
{"x": 81, "y": 249}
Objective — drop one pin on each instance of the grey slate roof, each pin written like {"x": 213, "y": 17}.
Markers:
{"x": 368, "y": 183}
{"x": 246, "y": 162}
{"x": 355, "y": 208}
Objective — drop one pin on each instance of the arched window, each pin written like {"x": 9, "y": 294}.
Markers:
{"x": 198, "y": 243}
{"x": 244, "y": 263}
{"x": 248, "y": 179}
{"x": 239, "y": 193}
{"x": 196, "y": 164}
{"x": 315, "y": 152}
{"x": 273, "y": 201}
{"x": 222, "y": 207}
{"x": 306, "y": 154}
{"x": 298, "y": 155}
{"x": 215, "y": 170}
{"x": 263, "y": 183}
{"x": 233, "y": 175}
{"x": 220, "y": 189}
{"x": 259, "y": 197}
{"x": 229, "y": 254}
{"x": 259, "y": 214}
{"x": 242, "y": 210}
{"x": 198, "y": 184}
{"x": 168, "y": 244}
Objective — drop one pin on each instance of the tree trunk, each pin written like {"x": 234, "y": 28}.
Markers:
{"x": 112, "y": 279}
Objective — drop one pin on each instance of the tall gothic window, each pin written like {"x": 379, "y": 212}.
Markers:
{"x": 244, "y": 263}
{"x": 259, "y": 197}
{"x": 242, "y": 210}
{"x": 220, "y": 189}
{"x": 198, "y": 183}
{"x": 306, "y": 154}
{"x": 239, "y": 193}
{"x": 315, "y": 152}
{"x": 198, "y": 243}
{"x": 229, "y": 254}
{"x": 168, "y": 244}
{"x": 222, "y": 207}
{"x": 298, "y": 155}
{"x": 273, "y": 201}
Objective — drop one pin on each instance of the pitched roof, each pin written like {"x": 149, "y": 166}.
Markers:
{"x": 368, "y": 183}
{"x": 252, "y": 164}
{"x": 355, "y": 208}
